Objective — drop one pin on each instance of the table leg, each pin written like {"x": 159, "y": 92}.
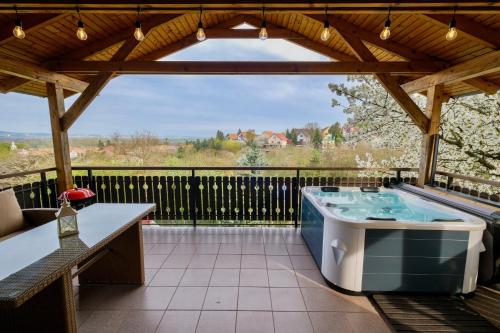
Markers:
{"x": 123, "y": 264}
{"x": 50, "y": 310}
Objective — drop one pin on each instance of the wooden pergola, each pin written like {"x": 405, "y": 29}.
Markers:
{"x": 51, "y": 62}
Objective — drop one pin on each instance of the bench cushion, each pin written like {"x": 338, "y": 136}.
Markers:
{"x": 11, "y": 216}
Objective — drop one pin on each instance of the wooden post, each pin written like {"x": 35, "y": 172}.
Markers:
{"x": 428, "y": 153}
{"x": 55, "y": 96}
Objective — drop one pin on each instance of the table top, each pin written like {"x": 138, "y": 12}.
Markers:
{"x": 28, "y": 259}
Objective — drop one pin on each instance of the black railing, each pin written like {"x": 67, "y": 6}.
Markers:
{"x": 222, "y": 195}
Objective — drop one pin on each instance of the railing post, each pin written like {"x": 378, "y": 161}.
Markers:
{"x": 44, "y": 193}
{"x": 193, "y": 196}
{"x": 89, "y": 177}
{"x": 398, "y": 176}
{"x": 449, "y": 183}
{"x": 296, "y": 208}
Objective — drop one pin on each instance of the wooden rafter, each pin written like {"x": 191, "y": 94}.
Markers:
{"x": 483, "y": 65}
{"x": 245, "y": 67}
{"x": 473, "y": 29}
{"x": 390, "y": 84}
{"x": 34, "y": 72}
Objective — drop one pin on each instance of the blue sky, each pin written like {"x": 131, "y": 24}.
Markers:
{"x": 195, "y": 106}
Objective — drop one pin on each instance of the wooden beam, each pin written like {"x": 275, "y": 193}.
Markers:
{"x": 389, "y": 83}
{"x": 428, "y": 152}
{"x": 12, "y": 84}
{"x": 485, "y": 86}
{"x": 30, "y": 24}
{"x": 38, "y": 73}
{"x": 274, "y": 33}
{"x": 474, "y": 30}
{"x": 305, "y": 43}
{"x": 55, "y": 97}
{"x": 244, "y": 67}
{"x": 482, "y": 65}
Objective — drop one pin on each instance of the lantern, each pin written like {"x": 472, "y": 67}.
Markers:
{"x": 66, "y": 220}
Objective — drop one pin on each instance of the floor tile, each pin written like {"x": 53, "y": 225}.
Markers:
{"x": 292, "y": 322}
{"x": 140, "y": 322}
{"x": 275, "y": 249}
{"x": 326, "y": 299}
{"x": 177, "y": 261}
{"x": 298, "y": 249}
{"x": 188, "y": 298}
{"x": 217, "y": 322}
{"x": 184, "y": 249}
{"x": 254, "y": 298}
{"x": 303, "y": 262}
{"x": 202, "y": 261}
{"x": 196, "y": 277}
{"x": 221, "y": 298}
{"x": 230, "y": 248}
{"x": 149, "y": 274}
{"x": 252, "y": 248}
{"x": 287, "y": 299}
{"x": 330, "y": 322}
{"x": 207, "y": 248}
{"x": 154, "y": 260}
{"x": 253, "y": 277}
{"x": 228, "y": 261}
{"x": 102, "y": 321}
{"x": 179, "y": 322}
{"x": 279, "y": 262}
{"x": 124, "y": 297}
{"x": 167, "y": 277}
{"x": 82, "y": 316}
{"x": 254, "y": 322}
{"x": 225, "y": 277}
{"x": 367, "y": 323}
{"x": 253, "y": 261}
{"x": 310, "y": 278}
{"x": 159, "y": 249}
{"x": 282, "y": 278}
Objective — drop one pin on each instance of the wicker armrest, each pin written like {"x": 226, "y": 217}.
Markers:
{"x": 39, "y": 216}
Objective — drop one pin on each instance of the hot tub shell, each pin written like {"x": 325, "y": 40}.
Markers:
{"x": 392, "y": 256}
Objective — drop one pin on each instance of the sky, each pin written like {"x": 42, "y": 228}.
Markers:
{"x": 195, "y": 105}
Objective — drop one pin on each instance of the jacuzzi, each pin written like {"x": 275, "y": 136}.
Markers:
{"x": 390, "y": 241}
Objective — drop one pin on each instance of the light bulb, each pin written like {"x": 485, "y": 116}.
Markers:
{"x": 18, "y": 31}
{"x": 263, "y": 33}
{"x": 80, "y": 32}
{"x": 452, "y": 31}
{"x": 138, "y": 34}
{"x": 385, "y": 33}
{"x": 325, "y": 34}
{"x": 200, "y": 34}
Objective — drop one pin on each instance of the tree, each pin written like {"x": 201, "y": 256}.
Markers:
{"x": 469, "y": 132}
{"x": 250, "y": 138}
{"x": 100, "y": 145}
{"x": 337, "y": 134}
{"x": 317, "y": 138}
{"x": 253, "y": 157}
{"x": 219, "y": 136}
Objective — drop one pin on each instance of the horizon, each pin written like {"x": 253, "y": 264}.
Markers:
{"x": 196, "y": 106}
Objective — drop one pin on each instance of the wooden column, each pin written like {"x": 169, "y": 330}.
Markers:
{"x": 55, "y": 96}
{"x": 428, "y": 152}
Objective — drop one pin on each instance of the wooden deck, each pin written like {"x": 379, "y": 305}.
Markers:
{"x": 486, "y": 301}
{"x": 418, "y": 313}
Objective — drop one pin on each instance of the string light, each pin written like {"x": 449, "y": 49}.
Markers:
{"x": 138, "y": 34}
{"x": 325, "y": 34}
{"x": 18, "y": 31}
{"x": 263, "y": 26}
{"x": 200, "y": 34}
{"x": 81, "y": 34}
{"x": 452, "y": 28}
{"x": 386, "y": 32}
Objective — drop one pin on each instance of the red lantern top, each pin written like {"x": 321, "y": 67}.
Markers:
{"x": 77, "y": 194}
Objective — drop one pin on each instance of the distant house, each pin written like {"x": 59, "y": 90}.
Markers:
{"x": 13, "y": 146}
{"x": 303, "y": 137}
{"x": 241, "y": 136}
{"x": 277, "y": 140}
{"x": 349, "y": 129}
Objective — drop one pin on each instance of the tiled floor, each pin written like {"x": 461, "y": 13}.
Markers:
{"x": 223, "y": 279}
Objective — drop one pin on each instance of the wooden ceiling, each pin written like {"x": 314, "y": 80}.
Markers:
{"x": 417, "y": 33}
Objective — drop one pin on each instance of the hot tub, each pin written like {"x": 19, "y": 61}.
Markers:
{"x": 389, "y": 240}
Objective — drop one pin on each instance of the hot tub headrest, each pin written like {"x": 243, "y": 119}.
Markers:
{"x": 369, "y": 189}
{"x": 329, "y": 189}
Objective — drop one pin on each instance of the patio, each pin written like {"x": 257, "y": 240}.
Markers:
{"x": 223, "y": 279}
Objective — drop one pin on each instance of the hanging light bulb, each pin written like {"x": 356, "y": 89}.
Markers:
{"x": 325, "y": 34}
{"x": 138, "y": 34}
{"x": 452, "y": 30}
{"x": 81, "y": 34}
{"x": 200, "y": 34}
{"x": 18, "y": 31}
{"x": 386, "y": 32}
{"x": 263, "y": 26}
